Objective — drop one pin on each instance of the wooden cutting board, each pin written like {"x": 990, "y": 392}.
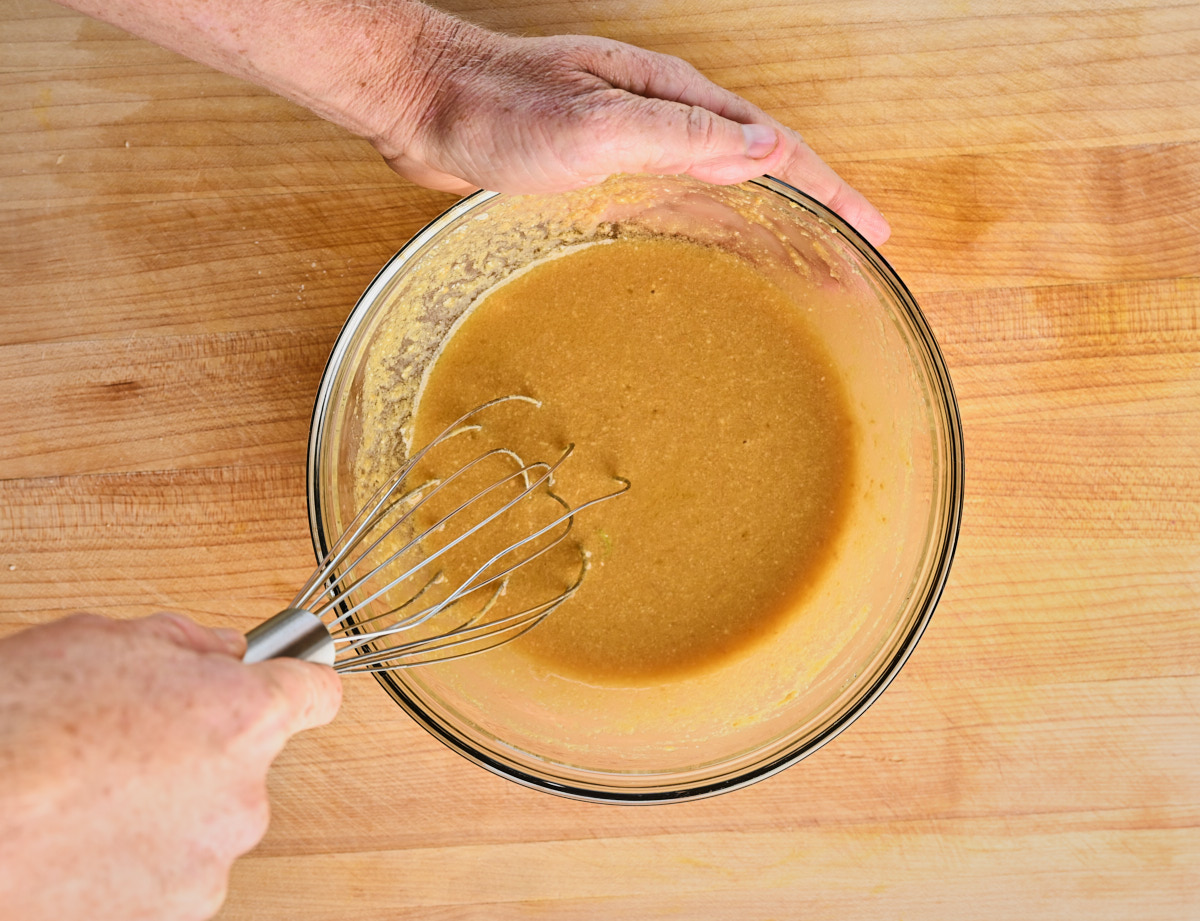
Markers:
{"x": 178, "y": 250}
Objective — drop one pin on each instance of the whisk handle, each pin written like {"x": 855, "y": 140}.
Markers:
{"x": 294, "y": 633}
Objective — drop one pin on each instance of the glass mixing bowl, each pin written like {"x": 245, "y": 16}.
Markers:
{"x": 779, "y": 700}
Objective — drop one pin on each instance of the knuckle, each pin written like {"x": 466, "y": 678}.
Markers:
{"x": 579, "y": 52}
{"x": 701, "y": 127}
{"x": 259, "y": 701}
{"x": 594, "y": 133}
{"x": 837, "y": 197}
{"x": 240, "y": 704}
{"x": 198, "y": 887}
{"x": 213, "y": 896}
{"x": 253, "y": 820}
{"x": 238, "y": 823}
{"x": 86, "y": 620}
{"x": 599, "y": 122}
{"x": 172, "y": 625}
{"x": 682, "y": 71}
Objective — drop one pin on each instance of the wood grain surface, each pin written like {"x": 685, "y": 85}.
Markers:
{"x": 178, "y": 250}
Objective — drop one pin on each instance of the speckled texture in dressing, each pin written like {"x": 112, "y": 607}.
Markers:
{"x": 681, "y": 368}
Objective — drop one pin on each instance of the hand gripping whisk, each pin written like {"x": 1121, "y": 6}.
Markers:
{"x": 387, "y": 553}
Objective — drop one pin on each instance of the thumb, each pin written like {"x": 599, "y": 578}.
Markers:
{"x": 308, "y": 695}
{"x": 664, "y": 137}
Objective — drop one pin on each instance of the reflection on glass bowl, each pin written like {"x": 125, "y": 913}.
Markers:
{"x": 752, "y": 714}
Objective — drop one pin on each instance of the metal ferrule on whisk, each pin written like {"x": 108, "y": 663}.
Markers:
{"x": 293, "y": 633}
{"x": 324, "y": 625}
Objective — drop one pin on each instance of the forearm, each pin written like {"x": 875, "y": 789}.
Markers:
{"x": 367, "y": 65}
{"x": 456, "y": 107}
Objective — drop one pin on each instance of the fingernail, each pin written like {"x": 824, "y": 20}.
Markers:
{"x": 878, "y": 229}
{"x": 760, "y": 140}
{"x": 234, "y": 642}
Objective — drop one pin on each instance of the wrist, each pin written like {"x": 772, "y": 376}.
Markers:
{"x": 362, "y": 65}
{"x": 380, "y": 68}
{"x": 373, "y": 67}
{"x": 366, "y": 66}
{"x": 399, "y": 98}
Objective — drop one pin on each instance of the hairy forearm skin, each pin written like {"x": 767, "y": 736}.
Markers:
{"x": 367, "y": 65}
{"x": 455, "y": 107}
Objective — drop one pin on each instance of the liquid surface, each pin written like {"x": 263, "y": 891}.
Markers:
{"x": 681, "y": 369}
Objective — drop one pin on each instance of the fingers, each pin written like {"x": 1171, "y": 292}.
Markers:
{"x": 799, "y": 165}
{"x": 567, "y": 112}
{"x": 667, "y": 137}
{"x": 655, "y": 136}
{"x": 713, "y": 146}
{"x": 693, "y": 140}
{"x": 309, "y": 694}
{"x": 306, "y": 695}
{"x": 187, "y": 634}
{"x": 234, "y": 640}
{"x": 662, "y": 76}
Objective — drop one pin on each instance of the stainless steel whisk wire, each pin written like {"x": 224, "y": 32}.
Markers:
{"x": 349, "y": 643}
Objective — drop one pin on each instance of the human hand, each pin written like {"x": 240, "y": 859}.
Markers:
{"x": 456, "y": 107}
{"x": 549, "y": 114}
{"x": 133, "y": 758}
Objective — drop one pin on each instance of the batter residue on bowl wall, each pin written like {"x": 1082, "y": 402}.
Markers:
{"x": 681, "y": 368}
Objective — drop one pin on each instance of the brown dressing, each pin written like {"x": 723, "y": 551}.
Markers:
{"x": 680, "y": 368}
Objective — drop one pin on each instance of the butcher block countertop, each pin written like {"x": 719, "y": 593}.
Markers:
{"x": 178, "y": 250}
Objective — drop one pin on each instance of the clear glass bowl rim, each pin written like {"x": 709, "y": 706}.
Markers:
{"x": 951, "y": 518}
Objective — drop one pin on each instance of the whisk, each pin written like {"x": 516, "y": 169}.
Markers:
{"x": 329, "y": 621}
